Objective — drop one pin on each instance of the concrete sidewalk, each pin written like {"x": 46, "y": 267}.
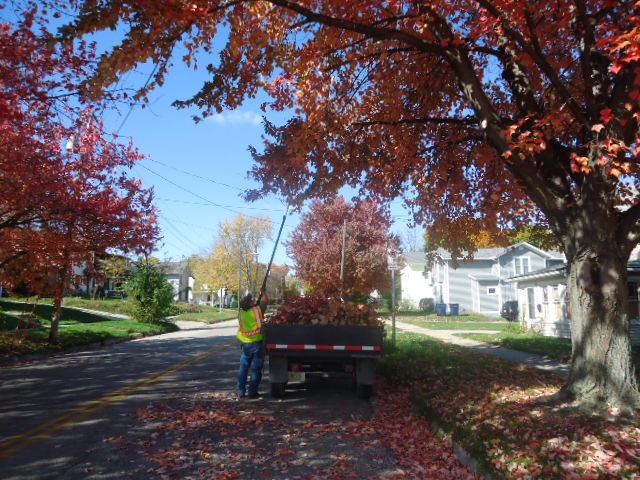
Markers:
{"x": 452, "y": 336}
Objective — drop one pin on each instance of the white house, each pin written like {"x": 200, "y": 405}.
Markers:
{"x": 479, "y": 285}
{"x": 543, "y": 306}
{"x": 415, "y": 283}
{"x": 180, "y": 277}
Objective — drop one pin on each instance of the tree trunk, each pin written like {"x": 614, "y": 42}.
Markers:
{"x": 58, "y": 296}
{"x": 55, "y": 320}
{"x": 602, "y": 372}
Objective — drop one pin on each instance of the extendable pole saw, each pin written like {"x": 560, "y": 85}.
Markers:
{"x": 264, "y": 282}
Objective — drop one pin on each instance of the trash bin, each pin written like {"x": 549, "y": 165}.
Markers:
{"x": 441, "y": 309}
{"x": 454, "y": 308}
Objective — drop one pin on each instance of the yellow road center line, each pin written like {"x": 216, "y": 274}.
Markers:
{"x": 45, "y": 430}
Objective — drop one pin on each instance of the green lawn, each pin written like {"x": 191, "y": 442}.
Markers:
{"x": 509, "y": 334}
{"x": 467, "y": 321}
{"x": 24, "y": 326}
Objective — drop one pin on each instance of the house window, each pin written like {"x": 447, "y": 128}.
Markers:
{"x": 522, "y": 265}
{"x": 531, "y": 299}
{"x": 492, "y": 290}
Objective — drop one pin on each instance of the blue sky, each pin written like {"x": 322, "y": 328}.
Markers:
{"x": 198, "y": 171}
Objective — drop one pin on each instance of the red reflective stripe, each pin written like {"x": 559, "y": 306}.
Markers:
{"x": 358, "y": 348}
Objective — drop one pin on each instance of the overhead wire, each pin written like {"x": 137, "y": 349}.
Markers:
{"x": 231, "y": 209}
{"x": 198, "y": 176}
{"x": 180, "y": 234}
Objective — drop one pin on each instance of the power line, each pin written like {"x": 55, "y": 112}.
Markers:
{"x": 224, "y": 207}
{"x": 206, "y": 179}
{"x": 179, "y": 233}
{"x": 186, "y": 202}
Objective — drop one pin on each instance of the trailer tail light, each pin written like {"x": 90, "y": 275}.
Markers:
{"x": 348, "y": 367}
{"x": 296, "y": 367}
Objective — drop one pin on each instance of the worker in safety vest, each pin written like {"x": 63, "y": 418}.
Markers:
{"x": 251, "y": 335}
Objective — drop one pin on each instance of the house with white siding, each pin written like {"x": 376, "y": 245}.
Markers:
{"x": 415, "y": 284}
{"x": 543, "y": 306}
{"x": 479, "y": 285}
{"x": 181, "y": 279}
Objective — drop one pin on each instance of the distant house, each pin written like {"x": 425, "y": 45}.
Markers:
{"x": 180, "y": 277}
{"x": 415, "y": 284}
{"x": 543, "y": 306}
{"x": 479, "y": 285}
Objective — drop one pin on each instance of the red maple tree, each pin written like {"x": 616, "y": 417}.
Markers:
{"x": 340, "y": 249}
{"x": 482, "y": 114}
{"x": 66, "y": 195}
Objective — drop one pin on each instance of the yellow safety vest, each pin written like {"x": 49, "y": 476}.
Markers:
{"x": 250, "y": 322}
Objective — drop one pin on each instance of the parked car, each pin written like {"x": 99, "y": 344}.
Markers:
{"x": 426, "y": 304}
{"x": 113, "y": 294}
{"x": 509, "y": 310}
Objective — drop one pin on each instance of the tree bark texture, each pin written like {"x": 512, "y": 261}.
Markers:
{"x": 602, "y": 370}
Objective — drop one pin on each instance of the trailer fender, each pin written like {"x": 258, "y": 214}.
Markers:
{"x": 278, "y": 369}
{"x": 365, "y": 371}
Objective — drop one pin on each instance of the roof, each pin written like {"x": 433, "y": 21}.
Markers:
{"x": 484, "y": 277}
{"x": 559, "y": 271}
{"x": 493, "y": 253}
{"x": 481, "y": 254}
{"x": 415, "y": 260}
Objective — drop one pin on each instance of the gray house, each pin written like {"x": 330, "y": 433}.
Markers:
{"x": 481, "y": 285}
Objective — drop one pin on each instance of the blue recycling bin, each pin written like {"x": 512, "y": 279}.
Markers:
{"x": 454, "y": 309}
{"x": 441, "y": 309}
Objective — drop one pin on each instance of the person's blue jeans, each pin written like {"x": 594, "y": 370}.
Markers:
{"x": 251, "y": 363}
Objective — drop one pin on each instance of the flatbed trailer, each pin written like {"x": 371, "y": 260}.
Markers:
{"x": 352, "y": 349}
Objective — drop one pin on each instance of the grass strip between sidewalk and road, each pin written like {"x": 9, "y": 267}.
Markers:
{"x": 24, "y": 325}
{"x": 492, "y": 409}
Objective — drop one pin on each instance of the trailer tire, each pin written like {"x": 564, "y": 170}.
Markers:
{"x": 277, "y": 389}
{"x": 364, "y": 391}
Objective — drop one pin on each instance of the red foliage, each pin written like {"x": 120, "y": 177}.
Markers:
{"x": 317, "y": 242}
{"x": 66, "y": 195}
{"x": 213, "y": 437}
{"x": 65, "y": 187}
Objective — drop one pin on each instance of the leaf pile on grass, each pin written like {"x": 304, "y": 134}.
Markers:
{"x": 492, "y": 409}
{"x": 213, "y": 436}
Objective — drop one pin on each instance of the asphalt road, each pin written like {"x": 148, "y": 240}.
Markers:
{"x": 59, "y": 417}
{"x": 55, "y": 413}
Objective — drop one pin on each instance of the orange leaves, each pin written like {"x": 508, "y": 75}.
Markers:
{"x": 313, "y": 310}
{"x": 299, "y": 443}
{"x": 492, "y": 408}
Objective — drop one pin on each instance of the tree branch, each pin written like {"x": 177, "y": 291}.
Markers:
{"x": 376, "y": 33}
{"x": 535, "y": 51}
{"x": 424, "y": 120}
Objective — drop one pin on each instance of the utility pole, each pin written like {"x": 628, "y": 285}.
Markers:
{"x": 393, "y": 264}
{"x": 342, "y": 262}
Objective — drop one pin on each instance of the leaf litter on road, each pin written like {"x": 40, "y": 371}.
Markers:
{"x": 213, "y": 436}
